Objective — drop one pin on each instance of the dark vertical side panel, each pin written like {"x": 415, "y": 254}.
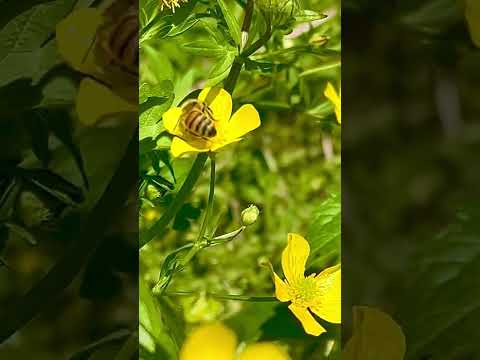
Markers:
{"x": 411, "y": 135}
{"x": 68, "y": 174}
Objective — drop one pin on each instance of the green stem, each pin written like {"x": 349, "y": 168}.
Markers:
{"x": 236, "y": 68}
{"x": 160, "y": 226}
{"x": 259, "y": 43}
{"x": 211, "y": 195}
{"x": 225, "y": 296}
{"x": 200, "y": 243}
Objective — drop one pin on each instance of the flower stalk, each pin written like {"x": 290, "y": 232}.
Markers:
{"x": 246, "y": 298}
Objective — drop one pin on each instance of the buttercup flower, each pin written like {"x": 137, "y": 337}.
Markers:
{"x": 375, "y": 336}
{"x": 229, "y": 129}
{"x": 107, "y": 90}
{"x": 332, "y": 95}
{"x": 319, "y": 294}
{"x": 218, "y": 342}
{"x": 472, "y": 14}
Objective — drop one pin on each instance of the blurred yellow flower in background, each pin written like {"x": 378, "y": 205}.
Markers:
{"x": 332, "y": 95}
{"x": 106, "y": 90}
{"x": 229, "y": 129}
{"x": 320, "y": 294}
{"x": 218, "y": 342}
{"x": 472, "y": 14}
{"x": 376, "y": 336}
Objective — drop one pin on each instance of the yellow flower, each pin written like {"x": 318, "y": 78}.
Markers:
{"x": 218, "y": 342}
{"x": 319, "y": 294}
{"x": 229, "y": 128}
{"x": 376, "y": 336}
{"x": 472, "y": 14}
{"x": 332, "y": 95}
{"x": 210, "y": 342}
{"x": 171, "y": 4}
{"x": 264, "y": 350}
{"x": 114, "y": 92}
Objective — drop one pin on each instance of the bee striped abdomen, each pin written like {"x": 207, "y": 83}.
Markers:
{"x": 197, "y": 119}
{"x": 119, "y": 37}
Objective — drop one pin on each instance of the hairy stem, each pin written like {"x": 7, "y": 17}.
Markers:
{"x": 236, "y": 68}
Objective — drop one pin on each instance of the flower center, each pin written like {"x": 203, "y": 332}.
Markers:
{"x": 305, "y": 292}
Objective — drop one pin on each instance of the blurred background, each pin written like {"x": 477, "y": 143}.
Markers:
{"x": 410, "y": 175}
{"x": 55, "y": 238}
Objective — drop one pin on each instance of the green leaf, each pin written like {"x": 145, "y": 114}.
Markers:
{"x": 324, "y": 232}
{"x": 436, "y": 319}
{"x": 162, "y": 90}
{"x": 264, "y": 66}
{"x": 154, "y": 101}
{"x": 116, "y": 338}
{"x": 154, "y": 335}
{"x": 29, "y": 30}
{"x": 22, "y": 232}
{"x": 320, "y": 69}
{"x": 185, "y": 25}
{"x": 160, "y": 65}
{"x": 221, "y": 69}
{"x": 232, "y": 23}
{"x": 309, "y": 15}
{"x": 206, "y": 48}
{"x": 248, "y": 322}
{"x": 148, "y": 10}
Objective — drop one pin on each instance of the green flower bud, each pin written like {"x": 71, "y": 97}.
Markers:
{"x": 278, "y": 13}
{"x": 250, "y": 215}
{"x": 152, "y": 193}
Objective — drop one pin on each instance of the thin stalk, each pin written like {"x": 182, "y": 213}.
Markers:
{"x": 259, "y": 43}
{"x": 200, "y": 243}
{"x": 211, "y": 195}
{"x": 225, "y": 296}
{"x": 236, "y": 68}
{"x": 160, "y": 226}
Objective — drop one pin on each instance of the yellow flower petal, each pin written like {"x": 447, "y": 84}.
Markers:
{"x": 180, "y": 147}
{"x": 310, "y": 325}
{"x": 294, "y": 258}
{"x": 331, "y": 94}
{"x": 220, "y": 102}
{"x": 329, "y": 305}
{"x": 210, "y": 342}
{"x": 171, "y": 120}
{"x": 281, "y": 289}
{"x": 218, "y": 145}
{"x": 376, "y": 336}
{"x": 95, "y": 102}
{"x": 75, "y": 37}
{"x": 242, "y": 122}
{"x": 472, "y": 14}
{"x": 264, "y": 351}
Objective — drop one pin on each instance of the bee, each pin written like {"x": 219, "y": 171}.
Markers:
{"x": 118, "y": 37}
{"x": 197, "y": 118}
